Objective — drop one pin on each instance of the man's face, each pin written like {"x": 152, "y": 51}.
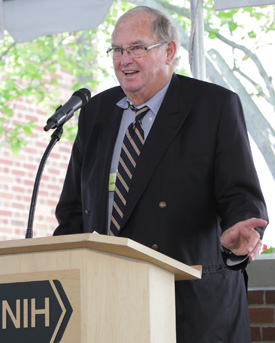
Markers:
{"x": 140, "y": 78}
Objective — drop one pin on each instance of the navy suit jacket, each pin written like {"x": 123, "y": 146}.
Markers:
{"x": 195, "y": 178}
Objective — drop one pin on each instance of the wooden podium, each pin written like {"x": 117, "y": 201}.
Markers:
{"x": 87, "y": 288}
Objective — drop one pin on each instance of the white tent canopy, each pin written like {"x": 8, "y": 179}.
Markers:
{"x": 28, "y": 19}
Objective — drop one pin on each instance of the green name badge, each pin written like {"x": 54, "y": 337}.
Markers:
{"x": 112, "y": 182}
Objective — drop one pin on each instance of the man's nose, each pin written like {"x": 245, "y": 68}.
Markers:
{"x": 126, "y": 57}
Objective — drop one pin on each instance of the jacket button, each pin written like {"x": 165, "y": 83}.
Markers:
{"x": 87, "y": 212}
{"x": 162, "y": 204}
{"x": 155, "y": 247}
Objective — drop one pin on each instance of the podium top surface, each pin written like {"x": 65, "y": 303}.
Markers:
{"x": 114, "y": 245}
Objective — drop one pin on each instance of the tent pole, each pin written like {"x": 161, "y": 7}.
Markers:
{"x": 196, "y": 48}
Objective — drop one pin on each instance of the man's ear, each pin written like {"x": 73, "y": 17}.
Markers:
{"x": 171, "y": 52}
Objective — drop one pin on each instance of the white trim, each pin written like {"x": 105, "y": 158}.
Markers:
{"x": 266, "y": 257}
{"x": 227, "y": 4}
{"x": 261, "y": 273}
{"x": 270, "y": 288}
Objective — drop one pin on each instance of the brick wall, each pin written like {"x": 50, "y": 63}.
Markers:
{"x": 17, "y": 173}
{"x": 262, "y": 315}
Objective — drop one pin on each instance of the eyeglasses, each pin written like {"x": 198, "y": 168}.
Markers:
{"x": 138, "y": 50}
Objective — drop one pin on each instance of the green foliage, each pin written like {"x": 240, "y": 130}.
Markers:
{"x": 213, "y": 33}
{"x": 16, "y": 137}
{"x": 252, "y": 34}
{"x": 264, "y": 19}
{"x": 227, "y": 15}
{"x": 270, "y": 250}
{"x": 30, "y": 71}
{"x": 232, "y": 26}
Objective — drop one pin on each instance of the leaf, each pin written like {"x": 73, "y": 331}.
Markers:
{"x": 27, "y": 130}
{"x": 212, "y": 35}
{"x": 14, "y": 149}
{"x": 252, "y": 34}
{"x": 232, "y": 26}
{"x": 227, "y": 14}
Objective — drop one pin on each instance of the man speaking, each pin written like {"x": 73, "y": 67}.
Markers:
{"x": 165, "y": 160}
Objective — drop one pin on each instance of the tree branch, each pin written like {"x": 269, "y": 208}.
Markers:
{"x": 186, "y": 13}
{"x": 255, "y": 59}
{"x": 7, "y": 50}
{"x": 259, "y": 128}
{"x": 259, "y": 89}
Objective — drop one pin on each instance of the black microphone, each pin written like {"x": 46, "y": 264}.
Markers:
{"x": 65, "y": 112}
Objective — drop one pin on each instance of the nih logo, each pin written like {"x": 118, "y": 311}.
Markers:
{"x": 32, "y": 312}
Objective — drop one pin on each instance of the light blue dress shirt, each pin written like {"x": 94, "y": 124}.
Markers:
{"x": 128, "y": 117}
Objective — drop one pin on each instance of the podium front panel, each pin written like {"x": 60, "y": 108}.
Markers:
{"x": 84, "y": 296}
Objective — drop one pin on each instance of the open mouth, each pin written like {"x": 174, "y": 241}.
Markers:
{"x": 130, "y": 72}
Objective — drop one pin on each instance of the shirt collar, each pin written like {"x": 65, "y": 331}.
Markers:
{"x": 154, "y": 103}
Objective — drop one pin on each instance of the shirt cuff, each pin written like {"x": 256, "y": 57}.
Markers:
{"x": 232, "y": 259}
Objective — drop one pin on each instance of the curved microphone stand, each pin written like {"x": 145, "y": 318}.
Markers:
{"x": 55, "y": 137}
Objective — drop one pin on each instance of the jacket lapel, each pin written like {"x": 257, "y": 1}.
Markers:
{"x": 106, "y": 142}
{"x": 170, "y": 119}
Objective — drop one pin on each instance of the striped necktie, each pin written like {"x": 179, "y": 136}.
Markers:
{"x": 130, "y": 151}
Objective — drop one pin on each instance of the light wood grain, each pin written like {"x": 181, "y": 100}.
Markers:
{"x": 120, "y": 291}
{"x": 114, "y": 245}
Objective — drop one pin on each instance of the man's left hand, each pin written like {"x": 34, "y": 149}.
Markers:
{"x": 242, "y": 239}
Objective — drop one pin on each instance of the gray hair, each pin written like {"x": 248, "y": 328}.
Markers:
{"x": 162, "y": 27}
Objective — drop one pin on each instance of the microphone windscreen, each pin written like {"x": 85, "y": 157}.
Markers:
{"x": 84, "y": 94}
